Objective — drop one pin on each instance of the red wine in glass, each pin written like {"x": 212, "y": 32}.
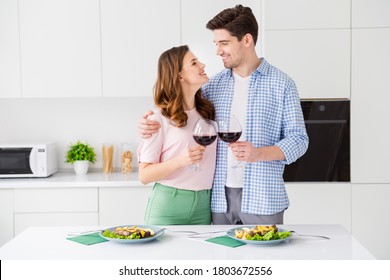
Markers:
{"x": 229, "y": 137}
{"x": 205, "y": 140}
{"x": 204, "y": 134}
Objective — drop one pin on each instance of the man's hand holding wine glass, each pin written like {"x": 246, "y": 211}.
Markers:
{"x": 246, "y": 152}
{"x": 229, "y": 131}
{"x": 243, "y": 151}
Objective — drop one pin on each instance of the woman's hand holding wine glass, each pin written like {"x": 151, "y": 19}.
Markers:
{"x": 204, "y": 134}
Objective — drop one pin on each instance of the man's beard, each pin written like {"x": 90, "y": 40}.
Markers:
{"x": 230, "y": 65}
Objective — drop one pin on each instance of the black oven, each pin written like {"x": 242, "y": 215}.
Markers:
{"x": 328, "y": 156}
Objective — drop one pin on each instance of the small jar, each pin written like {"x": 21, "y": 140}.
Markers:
{"x": 126, "y": 158}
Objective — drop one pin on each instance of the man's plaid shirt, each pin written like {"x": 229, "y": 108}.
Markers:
{"x": 273, "y": 117}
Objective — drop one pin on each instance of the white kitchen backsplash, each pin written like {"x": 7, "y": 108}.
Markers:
{"x": 65, "y": 120}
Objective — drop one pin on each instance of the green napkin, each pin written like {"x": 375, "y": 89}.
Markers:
{"x": 88, "y": 239}
{"x": 226, "y": 241}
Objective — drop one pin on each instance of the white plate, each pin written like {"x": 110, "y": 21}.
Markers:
{"x": 158, "y": 232}
{"x": 232, "y": 233}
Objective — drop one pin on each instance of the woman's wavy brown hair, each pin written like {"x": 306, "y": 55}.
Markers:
{"x": 168, "y": 92}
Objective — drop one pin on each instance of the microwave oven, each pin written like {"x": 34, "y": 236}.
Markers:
{"x": 28, "y": 160}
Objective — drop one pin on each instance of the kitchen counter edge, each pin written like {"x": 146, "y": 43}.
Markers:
{"x": 69, "y": 179}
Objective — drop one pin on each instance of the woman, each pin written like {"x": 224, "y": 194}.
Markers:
{"x": 180, "y": 194}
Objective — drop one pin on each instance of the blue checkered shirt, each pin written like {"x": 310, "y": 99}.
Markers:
{"x": 273, "y": 117}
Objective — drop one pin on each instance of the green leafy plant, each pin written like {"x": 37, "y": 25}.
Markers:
{"x": 80, "y": 151}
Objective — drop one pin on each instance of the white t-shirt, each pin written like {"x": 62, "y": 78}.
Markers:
{"x": 235, "y": 176}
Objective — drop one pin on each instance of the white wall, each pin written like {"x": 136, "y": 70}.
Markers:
{"x": 65, "y": 120}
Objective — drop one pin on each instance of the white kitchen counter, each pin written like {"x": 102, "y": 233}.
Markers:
{"x": 69, "y": 179}
{"x": 44, "y": 243}
{"x": 91, "y": 179}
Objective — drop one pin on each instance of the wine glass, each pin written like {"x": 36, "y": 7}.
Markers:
{"x": 229, "y": 131}
{"x": 204, "y": 134}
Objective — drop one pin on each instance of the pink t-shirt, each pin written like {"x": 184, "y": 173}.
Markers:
{"x": 171, "y": 141}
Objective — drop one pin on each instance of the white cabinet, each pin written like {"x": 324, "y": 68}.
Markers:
{"x": 21, "y": 208}
{"x": 194, "y": 17}
{"x": 317, "y": 60}
{"x": 319, "y": 203}
{"x": 134, "y": 34}
{"x": 60, "y": 48}
{"x": 123, "y": 206}
{"x": 55, "y": 206}
{"x": 306, "y": 14}
{"x": 370, "y": 114}
{"x": 10, "y": 83}
{"x": 6, "y": 215}
{"x": 310, "y": 41}
{"x": 370, "y": 221}
{"x": 370, "y": 13}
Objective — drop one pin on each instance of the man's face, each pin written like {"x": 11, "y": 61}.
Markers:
{"x": 229, "y": 48}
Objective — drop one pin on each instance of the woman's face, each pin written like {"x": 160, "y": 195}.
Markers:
{"x": 192, "y": 72}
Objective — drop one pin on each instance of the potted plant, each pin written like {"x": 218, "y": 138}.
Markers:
{"x": 80, "y": 155}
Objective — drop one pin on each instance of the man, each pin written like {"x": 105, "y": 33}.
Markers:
{"x": 266, "y": 101}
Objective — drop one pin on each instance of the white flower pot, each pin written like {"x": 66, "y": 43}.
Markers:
{"x": 81, "y": 167}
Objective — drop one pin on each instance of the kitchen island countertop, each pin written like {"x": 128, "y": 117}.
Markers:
{"x": 44, "y": 243}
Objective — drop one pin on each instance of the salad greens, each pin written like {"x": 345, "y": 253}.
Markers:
{"x": 110, "y": 234}
{"x": 133, "y": 234}
{"x": 128, "y": 232}
{"x": 261, "y": 233}
{"x": 270, "y": 235}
